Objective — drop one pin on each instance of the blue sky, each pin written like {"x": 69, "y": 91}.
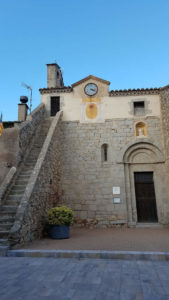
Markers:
{"x": 124, "y": 41}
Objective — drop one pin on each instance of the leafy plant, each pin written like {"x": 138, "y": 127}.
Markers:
{"x": 60, "y": 216}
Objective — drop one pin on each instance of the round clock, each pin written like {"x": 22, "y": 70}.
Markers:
{"x": 91, "y": 89}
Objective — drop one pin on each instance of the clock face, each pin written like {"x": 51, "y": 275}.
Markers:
{"x": 91, "y": 89}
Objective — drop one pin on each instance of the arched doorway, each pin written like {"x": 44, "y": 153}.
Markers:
{"x": 144, "y": 170}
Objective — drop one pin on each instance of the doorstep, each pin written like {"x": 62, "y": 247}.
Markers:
{"x": 149, "y": 225}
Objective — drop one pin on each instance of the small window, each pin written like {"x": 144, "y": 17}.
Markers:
{"x": 57, "y": 74}
{"x": 104, "y": 153}
{"x": 139, "y": 108}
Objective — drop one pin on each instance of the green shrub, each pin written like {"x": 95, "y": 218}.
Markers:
{"x": 60, "y": 216}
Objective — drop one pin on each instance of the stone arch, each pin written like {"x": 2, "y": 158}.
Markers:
{"x": 140, "y": 156}
{"x": 141, "y": 146}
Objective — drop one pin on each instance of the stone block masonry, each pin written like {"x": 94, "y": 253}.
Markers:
{"x": 87, "y": 180}
{"x": 164, "y": 101}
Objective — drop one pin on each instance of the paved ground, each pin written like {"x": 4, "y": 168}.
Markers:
{"x": 123, "y": 239}
{"x": 65, "y": 279}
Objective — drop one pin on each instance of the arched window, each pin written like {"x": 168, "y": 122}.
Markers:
{"x": 104, "y": 152}
{"x": 141, "y": 129}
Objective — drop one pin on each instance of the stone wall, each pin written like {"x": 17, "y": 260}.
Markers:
{"x": 6, "y": 183}
{"x": 43, "y": 190}
{"x": 9, "y": 150}
{"x": 15, "y": 142}
{"x": 164, "y": 100}
{"x": 28, "y": 128}
{"x": 87, "y": 181}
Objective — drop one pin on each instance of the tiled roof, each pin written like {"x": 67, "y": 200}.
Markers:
{"x": 147, "y": 91}
{"x": 65, "y": 89}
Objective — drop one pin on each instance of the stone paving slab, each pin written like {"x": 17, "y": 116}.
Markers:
{"x": 82, "y": 279}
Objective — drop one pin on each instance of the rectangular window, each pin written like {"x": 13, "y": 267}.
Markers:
{"x": 139, "y": 108}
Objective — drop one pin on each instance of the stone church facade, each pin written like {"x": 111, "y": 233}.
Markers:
{"x": 104, "y": 153}
{"x": 114, "y": 150}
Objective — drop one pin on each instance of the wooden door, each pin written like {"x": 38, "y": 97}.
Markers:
{"x": 145, "y": 197}
{"x": 55, "y": 105}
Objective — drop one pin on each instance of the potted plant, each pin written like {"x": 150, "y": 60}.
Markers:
{"x": 59, "y": 219}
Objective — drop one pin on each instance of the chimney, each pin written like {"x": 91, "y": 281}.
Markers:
{"x": 22, "y": 109}
{"x": 54, "y": 76}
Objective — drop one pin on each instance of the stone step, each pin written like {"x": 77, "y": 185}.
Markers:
{"x": 14, "y": 197}
{"x": 18, "y": 187}
{"x": 6, "y": 219}
{"x": 12, "y": 202}
{"x": 23, "y": 176}
{"x": 25, "y": 172}
{"x": 31, "y": 161}
{"x": 4, "y": 250}
{"x": 40, "y": 139}
{"x": 21, "y": 182}
{"x": 4, "y": 233}
{"x": 28, "y": 172}
{"x": 4, "y": 242}
{"x": 32, "y": 158}
{"x": 5, "y": 214}
{"x": 28, "y": 169}
{"x": 8, "y": 209}
{"x": 18, "y": 191}
{"x": 29, "y": 164}
{"x": 33, "y": 151}
{"x": 6, "y": 226}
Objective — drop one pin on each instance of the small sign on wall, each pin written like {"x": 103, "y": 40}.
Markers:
{"x": 116, "y": 190}
{"x": 116, "y": 200}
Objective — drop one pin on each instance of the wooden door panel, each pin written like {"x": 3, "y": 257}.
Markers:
{"x": 145, "y": 197}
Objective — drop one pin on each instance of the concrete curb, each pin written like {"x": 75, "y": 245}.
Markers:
{"x": 95, "y": 254}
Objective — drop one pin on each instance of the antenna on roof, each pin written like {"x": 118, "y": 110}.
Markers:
{"x": 29, "y": 88}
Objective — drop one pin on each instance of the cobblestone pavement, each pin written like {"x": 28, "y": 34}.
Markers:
{"x": 92, "y": 279}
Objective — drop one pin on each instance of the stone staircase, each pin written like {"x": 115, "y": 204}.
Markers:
{"x": 14, "y": 196}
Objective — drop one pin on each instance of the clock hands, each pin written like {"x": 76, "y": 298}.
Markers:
{"x": 91, "y": 89}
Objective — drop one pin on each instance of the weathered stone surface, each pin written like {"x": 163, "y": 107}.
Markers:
{"x": 164, "y": 100}
{"x": 87, "y": 181}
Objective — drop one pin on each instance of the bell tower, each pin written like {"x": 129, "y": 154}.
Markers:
{"x": 54, "y": 76}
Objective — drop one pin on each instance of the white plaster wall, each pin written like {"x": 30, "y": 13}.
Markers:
{"x": 112, "y": 107}
{"x": 120, "y": 107}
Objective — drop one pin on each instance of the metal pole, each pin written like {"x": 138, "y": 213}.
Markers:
{"x": 30, "y": 101}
